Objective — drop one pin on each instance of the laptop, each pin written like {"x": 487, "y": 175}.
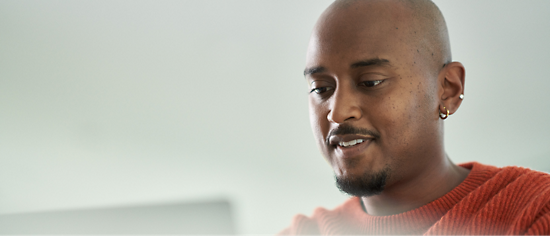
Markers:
{"x": 212, "y": 217}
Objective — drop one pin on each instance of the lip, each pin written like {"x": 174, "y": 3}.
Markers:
{"x": 349, "y": 152}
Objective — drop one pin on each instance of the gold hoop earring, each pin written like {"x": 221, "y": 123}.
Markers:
{"x": 444, "y": 116}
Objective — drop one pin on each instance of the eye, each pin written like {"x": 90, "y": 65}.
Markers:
{"x": 371, "y": 83}
{"x": 320, "y": 90}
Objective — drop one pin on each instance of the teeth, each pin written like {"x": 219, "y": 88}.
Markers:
{"x": 351, "y": 143}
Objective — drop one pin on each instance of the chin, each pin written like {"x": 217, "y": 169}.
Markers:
{"x": 363, "y": 184}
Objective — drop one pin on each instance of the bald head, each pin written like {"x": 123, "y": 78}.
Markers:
{"x": 417, "y": 23}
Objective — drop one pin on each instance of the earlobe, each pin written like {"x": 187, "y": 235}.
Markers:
{"x": 453, "y": 78}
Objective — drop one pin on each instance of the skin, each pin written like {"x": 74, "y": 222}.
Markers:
{"x": 385, "y": 66}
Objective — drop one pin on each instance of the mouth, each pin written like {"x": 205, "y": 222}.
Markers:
{"x": 347, "y": 140}
{"x": 351, "y": 143}
{"x": 353, "y": 148}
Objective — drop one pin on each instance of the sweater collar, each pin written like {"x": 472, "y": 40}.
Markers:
{"x": 419, "y": 220}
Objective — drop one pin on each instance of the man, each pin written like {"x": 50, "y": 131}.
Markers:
{"x": 382, "y": 81}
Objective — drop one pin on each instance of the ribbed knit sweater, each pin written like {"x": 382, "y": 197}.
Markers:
{"x": 491, "y": 200}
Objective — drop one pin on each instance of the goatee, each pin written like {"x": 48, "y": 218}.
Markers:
{"x": 368, "y": 184}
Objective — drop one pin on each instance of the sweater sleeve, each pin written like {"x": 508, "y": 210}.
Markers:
{"x": 301, "y": 225}
{"x": 284, "y": 232}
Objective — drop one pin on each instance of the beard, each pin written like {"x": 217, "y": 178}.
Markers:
{"x": 368, "y": 184}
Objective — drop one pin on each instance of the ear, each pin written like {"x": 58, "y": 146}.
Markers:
{"x": 451, "y": 80}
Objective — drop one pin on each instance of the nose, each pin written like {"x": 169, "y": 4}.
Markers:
{"x": 345, "y": 106}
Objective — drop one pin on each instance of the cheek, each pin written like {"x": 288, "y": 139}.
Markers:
{"x": 409, "y": 120}
{"x": 321, "y": 127}
{"x": 319, "y": 123}
{"x": 400, "y": 120}
{"x": 393, "y": 122}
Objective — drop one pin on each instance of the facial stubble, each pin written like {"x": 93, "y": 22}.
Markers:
{"x": 367, "y": 184}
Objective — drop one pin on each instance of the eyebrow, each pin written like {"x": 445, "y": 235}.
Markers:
{"x": 371, "y": 62}
{"x": 313, "y": 70}
{"x": 363, "y": 63}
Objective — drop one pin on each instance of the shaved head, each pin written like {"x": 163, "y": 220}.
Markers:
{"x": 425, "y": 27}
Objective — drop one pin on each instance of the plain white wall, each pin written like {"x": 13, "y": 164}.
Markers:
{"x": 106, "y": 103}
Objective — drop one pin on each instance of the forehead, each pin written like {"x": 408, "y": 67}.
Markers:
{"x": 354, "y": 33}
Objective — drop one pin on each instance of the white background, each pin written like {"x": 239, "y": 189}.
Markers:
{"x": 107, "y": 103}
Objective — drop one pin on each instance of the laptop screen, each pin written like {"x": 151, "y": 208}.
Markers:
{"x": 176, "y": 218}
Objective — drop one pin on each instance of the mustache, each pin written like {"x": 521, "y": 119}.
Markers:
{"x": 348, "y": 129}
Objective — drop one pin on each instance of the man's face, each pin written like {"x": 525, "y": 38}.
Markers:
{"x": 373, "y": 101}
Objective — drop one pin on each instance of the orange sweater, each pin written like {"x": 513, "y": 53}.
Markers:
{"x": 491, "y": 200}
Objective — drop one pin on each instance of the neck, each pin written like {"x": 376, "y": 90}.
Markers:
{"x": 417, "y": 191}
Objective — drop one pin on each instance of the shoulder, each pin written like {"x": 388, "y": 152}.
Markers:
{"x": 512, "y": 183}
{"x": 523, "y": 178}
{"x": 323, "y": 220}
{"x": 512, "y": 200}
{"x": 503, "y": 176}
{"x": 504, "y": 200}
{"x": 523, "y": 185}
